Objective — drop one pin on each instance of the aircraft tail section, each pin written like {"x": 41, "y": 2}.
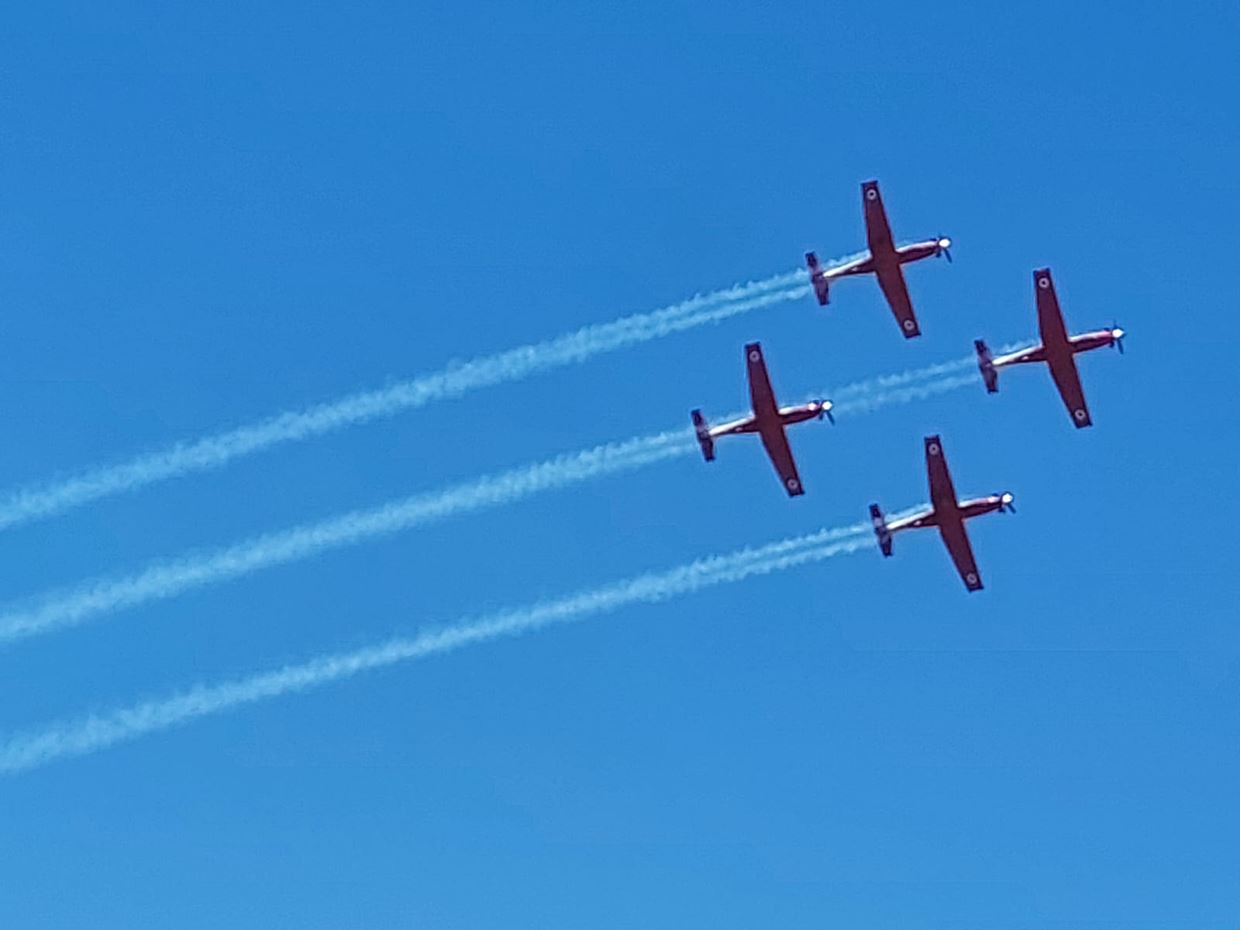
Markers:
{"x": 817, "y": 277}
{"x": 880, "y": 529}
{"x": 986, "y": 365}
{"x": 704, "y": 439}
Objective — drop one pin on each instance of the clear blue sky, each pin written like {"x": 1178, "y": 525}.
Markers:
{"x": 213, "y": 213}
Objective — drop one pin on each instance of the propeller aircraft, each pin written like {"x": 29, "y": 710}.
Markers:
{"x": 1057, "y": 350}
{"x": 884, "y": 261}
{"x": 768, "y": 421}
{"x": 946, "y": 513}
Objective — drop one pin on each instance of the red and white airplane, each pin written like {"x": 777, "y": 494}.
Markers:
{"x": 946, "y": 513}
{"x": 1058, "y": 350}
{"x": 884, "y": 261}
{"x": 768, "y": 421}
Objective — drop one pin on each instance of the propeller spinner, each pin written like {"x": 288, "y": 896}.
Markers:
{"x": 943, "y": 247}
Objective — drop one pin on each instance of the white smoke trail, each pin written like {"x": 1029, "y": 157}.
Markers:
{"x": 893, "y": 396}
{"x": 166, "y": 579}
{"x": 453, "y": 380}
{"x": 99, "y": 731}
{"x": 882, "y": 383}
{"x": 872, "y": 386}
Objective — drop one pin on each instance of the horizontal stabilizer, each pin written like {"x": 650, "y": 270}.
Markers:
{"x": 817, "y": 277}
{"x": 986, "y": 365}
{"x": 880, "y": 529}
{"x": 703, "y": 436}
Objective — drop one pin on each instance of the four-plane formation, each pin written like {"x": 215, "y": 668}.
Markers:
{"x": 885, "y": 260}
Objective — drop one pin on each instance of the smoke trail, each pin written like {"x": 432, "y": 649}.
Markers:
{"x": 453, "y": 380}
{"x": 863, "y": 404}
{"x": 883, "y": 383}
{"x": 873, "y": 386}
{"x": 166, "y": 579}
{"x": 93, "y": 733}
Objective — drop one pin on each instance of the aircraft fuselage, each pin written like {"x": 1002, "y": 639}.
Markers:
{"x": 784, "y": 416}
{"x": 869, "y": 264}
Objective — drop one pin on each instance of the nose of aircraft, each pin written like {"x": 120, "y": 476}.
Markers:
{"x": 1117, "y": 333}
{"x": 945, "y": 243}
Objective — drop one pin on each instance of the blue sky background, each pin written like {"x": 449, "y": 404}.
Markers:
{"x": 211, "y": 214}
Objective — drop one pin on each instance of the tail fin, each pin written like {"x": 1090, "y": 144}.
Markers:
{"x": 817, "y": 277}
{"x": 986, "y": 365}
{"x": 880, "y": 529}
{"x": 703, "y": 436}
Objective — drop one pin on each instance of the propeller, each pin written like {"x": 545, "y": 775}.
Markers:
{"x": 1117, "y": 337}
{"x": 943, "y": 247}
{"x": 1005, "y": 503}
{"x": 824, "y": 410}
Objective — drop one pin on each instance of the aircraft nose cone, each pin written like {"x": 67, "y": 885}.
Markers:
{"x": 945, "y": 243}
{"x": 1117, "y": 333}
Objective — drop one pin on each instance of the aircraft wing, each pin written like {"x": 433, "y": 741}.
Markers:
{"x": 942, "y": 491}
{"x": 891, "y": 280}
{"x": 957, "y": 542}
{"x": 766, "y": 410}
{"x": 776, "y": 442}
{"x": 761, "y": 396}
{"x": 1050, "y": 317}
{"x": 1058, "y": 348}
{"x": 877, "y": 229}
{"x": 1063, "y": 370}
